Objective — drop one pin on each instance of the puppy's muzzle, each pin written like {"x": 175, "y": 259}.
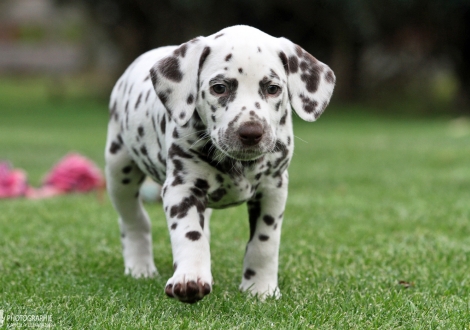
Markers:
{"x": 250, "y": 133}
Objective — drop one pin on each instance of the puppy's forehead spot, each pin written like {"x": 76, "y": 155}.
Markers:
{"x": 233, "y": 61}
{"x": 273, "y": 74}
{"x": 264, "y": 81}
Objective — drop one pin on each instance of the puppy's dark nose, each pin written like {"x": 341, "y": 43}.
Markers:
{"x": 250, "y": 133}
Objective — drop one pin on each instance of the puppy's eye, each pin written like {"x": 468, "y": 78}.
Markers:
{"x": 273, "y": 89}
{"x": 219, "y": 88}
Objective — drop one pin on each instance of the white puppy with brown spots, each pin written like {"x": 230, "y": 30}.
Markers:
{"x": 211, "y": 121}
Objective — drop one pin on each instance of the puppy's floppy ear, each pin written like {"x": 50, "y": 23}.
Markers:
{"x": 309, "y": 81}
{"x": 175, "y": 78}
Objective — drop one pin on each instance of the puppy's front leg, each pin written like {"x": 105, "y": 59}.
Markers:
{"x": 185, "y": 206}
{"x": 260, "y": 266}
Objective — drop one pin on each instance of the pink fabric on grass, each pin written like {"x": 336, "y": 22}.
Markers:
{"x": 13, "y": 182}
{"x": 73, "y": 173}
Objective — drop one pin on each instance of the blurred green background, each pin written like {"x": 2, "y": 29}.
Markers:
{"x": 407, "y": 56}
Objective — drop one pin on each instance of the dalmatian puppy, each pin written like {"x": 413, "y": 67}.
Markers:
{"x": 211, "y": 121}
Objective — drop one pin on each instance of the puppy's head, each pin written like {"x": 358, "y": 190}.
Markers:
{"x": 243, "y": 83}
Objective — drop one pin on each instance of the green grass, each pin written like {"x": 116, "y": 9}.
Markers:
{"x": 372, "y": 201}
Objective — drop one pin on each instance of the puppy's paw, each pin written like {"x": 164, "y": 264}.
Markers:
{"x": 138, "y": 256}
{"x": 189, "y": 287}
{"x": 141, "y": 269}
{"x": 262, "y": 291}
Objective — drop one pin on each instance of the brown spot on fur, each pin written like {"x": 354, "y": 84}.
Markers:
{"x": 190, "y": 99}
{"x": 285, "y": 62}
{"x": 330, "y": 77}
{"x": 249, "y": 273}
{"x": 193, "y": 235}
{"x": 308, "y": 104}
{"x": 170, "y": 68}
{"x": 127, "y": 169}
{"x": 263, "y": 238}
{"x": 293, "y": 64}
{"x": 181, "y": 51}
{"x": 269, "y": 220}
{"x": 114, "y": 148}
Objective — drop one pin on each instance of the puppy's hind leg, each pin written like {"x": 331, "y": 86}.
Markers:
{"x": 123, "y": 179}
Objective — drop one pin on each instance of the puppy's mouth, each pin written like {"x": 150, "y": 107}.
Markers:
{"x": 241, "y": 153}
{"x": 244, "y": 154}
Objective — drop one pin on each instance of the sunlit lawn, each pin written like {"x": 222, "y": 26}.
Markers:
{"x": 372, "y": 201}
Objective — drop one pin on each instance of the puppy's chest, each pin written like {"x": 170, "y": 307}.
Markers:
{"x": 226, "y": 190}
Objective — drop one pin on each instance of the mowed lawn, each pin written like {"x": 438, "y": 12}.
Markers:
{"x": 372, "y": 201}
